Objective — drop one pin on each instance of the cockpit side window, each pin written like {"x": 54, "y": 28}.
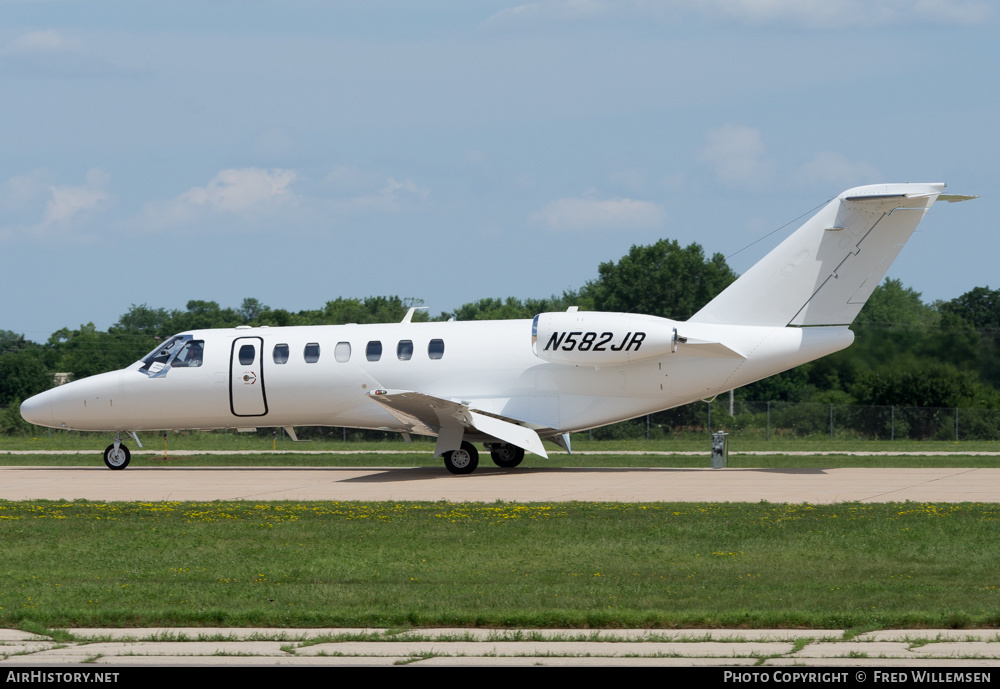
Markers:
{"x": 190, "y": 356}
{"x": 156, "y": 360}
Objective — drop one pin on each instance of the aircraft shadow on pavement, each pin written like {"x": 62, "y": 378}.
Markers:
{"x": 399, "y": 474}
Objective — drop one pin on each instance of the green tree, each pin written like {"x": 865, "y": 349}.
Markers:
{"x": 979, "y": 306}
{"x": 660, "y": 279}
{"x": 13, "y": 342}
{"x": 22, "y": 374}
{"x": 251, "y": 310}
{"x": 143, "y": 320}
{"x": 491, "y": 309}
{"x": 88, "y": 351}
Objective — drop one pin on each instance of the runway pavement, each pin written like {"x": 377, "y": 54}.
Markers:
{"x": 816, "y": 486}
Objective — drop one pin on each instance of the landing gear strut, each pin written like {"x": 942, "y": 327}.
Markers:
{"x": 463, "y": 460}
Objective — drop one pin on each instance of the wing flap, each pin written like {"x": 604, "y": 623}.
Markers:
{"x": 429, "y": 415}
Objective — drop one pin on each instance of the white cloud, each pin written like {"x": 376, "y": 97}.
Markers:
{"x": 42, "y": 43}
{"x": 21, "y": 192}
{"x": 52, "y": 53}
{"x": 560, "y": 10}
{"x": 242, "y": 190}
{"x": 738, "y": 156}
{"x": 245, "y": 193}
{"x": 829, "y": 167}
{"x": 832, "y": 14}
{"x": 392, "y": 197}
{"x": 66, "y": 201}
{"x": 350, "y": 180}
{"x": 63, "y": 207}
{"x": 816, "y": 14}
{"x": 589, "y": 213}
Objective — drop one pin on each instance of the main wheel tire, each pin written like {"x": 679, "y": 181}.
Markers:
{"x": 463, "y": 460}
{"x": 507, "y": 456}
{"x": 117, "y": 459}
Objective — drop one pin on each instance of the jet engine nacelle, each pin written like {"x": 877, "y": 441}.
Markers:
{"x": 593, "y": 338}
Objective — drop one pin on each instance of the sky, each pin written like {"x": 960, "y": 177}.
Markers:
{"x": 447, "y": 151}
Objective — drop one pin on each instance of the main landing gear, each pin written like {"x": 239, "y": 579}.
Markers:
{"x": 505, "y": 455}
{"x": 465, "y": 459}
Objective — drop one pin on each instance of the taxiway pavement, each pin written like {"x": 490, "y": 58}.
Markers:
{"x": 815, "y": 486}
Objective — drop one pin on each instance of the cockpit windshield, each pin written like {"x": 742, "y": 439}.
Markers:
{"x": 180, "y": 351}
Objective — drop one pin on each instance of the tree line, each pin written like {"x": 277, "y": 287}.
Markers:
{"x": 906, "y": 352}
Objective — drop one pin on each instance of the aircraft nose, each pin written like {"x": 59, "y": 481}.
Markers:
{"x": 38, "y": 409}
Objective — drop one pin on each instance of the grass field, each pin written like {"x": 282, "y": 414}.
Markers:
{"x": 48, "y": 439}
{"x": 853, "y": 566}
{"x": 822, "y": 452}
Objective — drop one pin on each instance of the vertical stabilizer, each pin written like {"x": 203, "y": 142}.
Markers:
{"x": 826, "y": 270}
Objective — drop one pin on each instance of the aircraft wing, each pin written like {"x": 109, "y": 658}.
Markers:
{"x": 448, "y": 420}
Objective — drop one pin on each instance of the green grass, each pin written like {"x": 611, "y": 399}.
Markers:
{"x": 361, "y": 459}
{"x": 50, "y": 439}
{"x": 420, "y": 452}
{"x": 582, "y": 565}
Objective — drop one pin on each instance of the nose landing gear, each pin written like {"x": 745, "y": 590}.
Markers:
{"x": 117, "y": 456}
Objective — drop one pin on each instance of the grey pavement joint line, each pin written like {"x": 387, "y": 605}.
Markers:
{"x": 205, "y": 646}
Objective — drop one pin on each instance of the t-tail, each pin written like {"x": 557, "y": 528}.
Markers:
{"x": 826, "y": 270}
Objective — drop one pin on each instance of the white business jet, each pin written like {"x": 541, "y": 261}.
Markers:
{"x": 509, "y": 384}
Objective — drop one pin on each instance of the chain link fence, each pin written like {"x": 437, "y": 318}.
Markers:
{"x": 762, "y": 420}
{"x": 766, "y": 420}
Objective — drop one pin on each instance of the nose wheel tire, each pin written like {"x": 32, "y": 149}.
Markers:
{"x": 117, "y": 459}
{"x": 507, "y": 456}
{"x": 463, "y": 460}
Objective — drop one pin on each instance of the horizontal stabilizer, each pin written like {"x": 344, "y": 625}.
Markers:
{"x": 429, "y": 415}
{"x": 688, "y": 346}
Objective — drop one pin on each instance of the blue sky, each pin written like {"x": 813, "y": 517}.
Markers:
{"x": 449, "y": 151}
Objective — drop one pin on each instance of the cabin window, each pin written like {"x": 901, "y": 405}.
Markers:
{"x": 404, "y": 350}
{"x": 342, "y": 352}
{"x": 247, "y": 354}
{"x": 280, "y": 354}
{"x": 374, "y": 350}
{"x": 190, "y": 356}
{"x": 435, "y": 350}
{"x": 311, "y": 352}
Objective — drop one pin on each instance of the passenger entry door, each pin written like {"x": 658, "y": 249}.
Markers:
{"x": 246, "y": 377}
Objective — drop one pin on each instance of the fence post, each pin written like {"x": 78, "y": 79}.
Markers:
{"x": 831, "y": 421}
{"x": 710, "y": 418}
{"x": 769, "y": 420}
{"x": 956, "y": 424}
{"x": 892, "y": 424}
